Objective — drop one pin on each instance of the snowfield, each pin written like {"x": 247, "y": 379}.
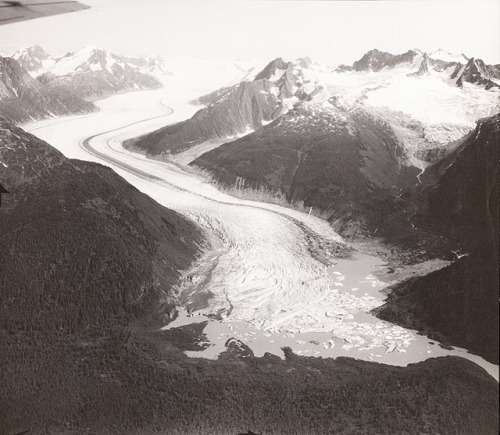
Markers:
{"x": 429, "y": 101}
{"x": 446, "y": 111}
{"x": 268, "y": 271}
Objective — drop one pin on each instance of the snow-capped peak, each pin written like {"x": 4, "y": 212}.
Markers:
{"x": 31, "y": 58}
{"x": 32, "y": 50}
{"x": 273, "y": 70}
{"x": 89, "y": 58}
{"x": 448, "y": 57}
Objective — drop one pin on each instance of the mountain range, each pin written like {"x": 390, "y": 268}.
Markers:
{"x": 91, "y": 72}
{"x": 35, "y": 85}
{"x": 416, "y": 91}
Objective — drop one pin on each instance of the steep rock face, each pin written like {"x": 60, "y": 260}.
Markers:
{"x": 233, "y": 110}
{"x": 459, "y": 202}
{"x": 80, "y": 246}
{"x": 332, "y": 160}
{"x": 23, "y": 98}
{"x": 423, "y": 70}
{"x": 476, "y": 72}
{"x": 272, "y": 68}
{"x": 93, "y": 72}
{"x": 241, "y": 108}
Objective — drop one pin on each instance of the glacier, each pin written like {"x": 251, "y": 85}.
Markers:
{"x": 261, "y": 279}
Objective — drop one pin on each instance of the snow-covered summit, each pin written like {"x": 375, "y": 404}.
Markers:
{"x": 33, "y": 58}
{"x": 90, "y": 58}
{"x": 448, "y": 57}
{"x": 91, "y": 71}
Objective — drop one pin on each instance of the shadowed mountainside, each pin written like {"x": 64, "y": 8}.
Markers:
{"x": 80, "y": 246}
{"x": 232, "y": 110}
{"x": 345, "y": 164}
{"x": 457, "y": 204}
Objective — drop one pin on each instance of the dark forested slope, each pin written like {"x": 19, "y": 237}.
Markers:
{"x": 348, "y": 164}
{"x": 80, "y": 245}
{"x": 458, "y": 203}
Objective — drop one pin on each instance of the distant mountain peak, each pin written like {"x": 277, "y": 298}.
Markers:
{"x": 423, "y": 70}
{"x": 376, "y": 60}
{"x": 31, "y": 58}
{"x": 448, "y": 57}
{"x": 272, "y": 68}
{"x": 33, "y": 50}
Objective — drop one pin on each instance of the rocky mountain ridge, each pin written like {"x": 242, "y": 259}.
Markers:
{"x": 235, "y": 110}
{"x": 23, "y": 98}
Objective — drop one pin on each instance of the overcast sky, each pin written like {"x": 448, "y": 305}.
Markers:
{"x": 328, "y": 31}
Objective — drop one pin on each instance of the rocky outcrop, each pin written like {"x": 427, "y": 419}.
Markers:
{"x": 476, "y": 72}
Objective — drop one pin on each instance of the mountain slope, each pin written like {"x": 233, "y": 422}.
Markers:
{"x": 413, "y": 83}
{"x": 458, "y": 202}
{"x": 375, "y": 60}
{"x": 339, "y": 162}
{"x": 93, "y": 248}
{"x": 23, "y": 98}
{"x": 234, "y": 110}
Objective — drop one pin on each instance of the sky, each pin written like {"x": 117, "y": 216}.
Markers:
{"x": 330, "y": 32}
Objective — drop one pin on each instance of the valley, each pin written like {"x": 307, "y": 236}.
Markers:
{"x": 194, "y": 242}
{"x": 271, "y": 276}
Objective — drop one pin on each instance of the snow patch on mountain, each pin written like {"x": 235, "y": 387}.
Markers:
{"x": 431, "y": 101}
{"x": 448, "y": 57}
{"x": 88, "y": 59}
